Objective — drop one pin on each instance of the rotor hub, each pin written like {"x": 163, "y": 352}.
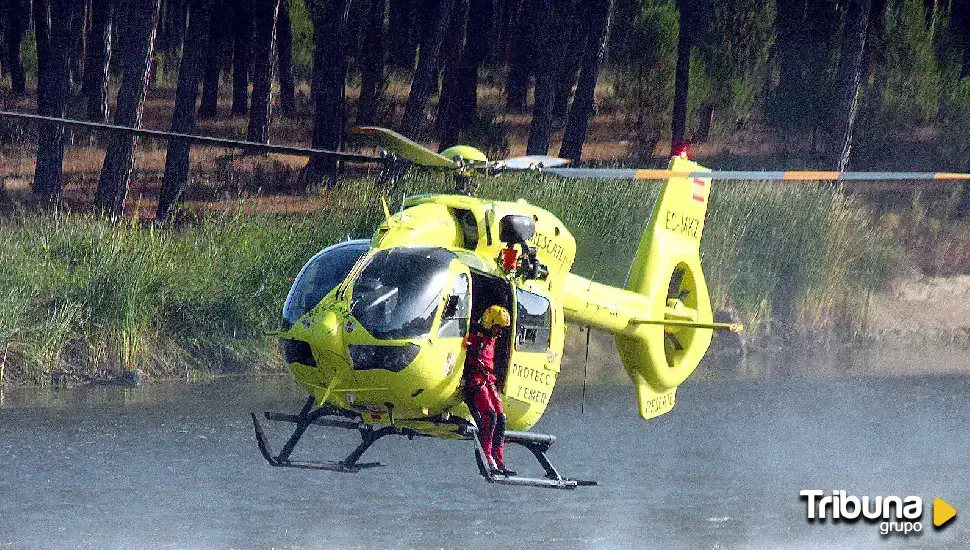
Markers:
{"x": 466, "y": 154}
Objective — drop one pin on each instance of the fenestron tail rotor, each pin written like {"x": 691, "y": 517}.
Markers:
{"x": 676, "y": 293}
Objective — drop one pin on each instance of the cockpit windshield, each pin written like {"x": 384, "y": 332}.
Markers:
{"x": 320, "y": 275}
{"x": 398, "y": 292}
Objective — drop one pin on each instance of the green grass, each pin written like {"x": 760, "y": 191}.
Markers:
{"x": 84, "y": 296}
{"x": 800, "y": 243}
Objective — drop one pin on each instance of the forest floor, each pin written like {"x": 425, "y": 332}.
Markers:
{"x": 271, "y": 184}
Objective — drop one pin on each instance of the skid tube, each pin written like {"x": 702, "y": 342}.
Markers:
{"x": 308, "y": 417}
{"x": 537, "y": 444}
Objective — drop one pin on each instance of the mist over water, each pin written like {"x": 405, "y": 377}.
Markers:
{"x": 175, "y": 465}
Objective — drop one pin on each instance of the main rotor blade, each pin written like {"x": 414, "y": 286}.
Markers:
{"x": 404, "y": 147}
{"x": 206, "y": 140}
{"x": 530, "y": 162}
{"x": 791, "y": 175}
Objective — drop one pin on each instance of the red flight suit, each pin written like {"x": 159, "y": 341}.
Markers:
{"x": 481, "y": 393}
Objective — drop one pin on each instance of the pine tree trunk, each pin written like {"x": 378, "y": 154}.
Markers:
{"x": 425, "y": 82}
{"x": 463, "y": 103}
{"x": 849, "y": 79}
{"x": 98, "y": 59}
{"x": 960, "y": 20}
{"x": 932, "y": 9}
{"x": 481, "y": 26}
{"x": 540, "y": 131}
{"x": 191, "y": 69}
{"x": 330, "y": 27}
{"x": 505, "y": 13}
{"x": 138, "y": 34}
{"x": 79, "y": 13}
{"x": 372, "y": 63}
{"x": 52, "y": 34}
{"x": 15, "y": 24}
{"x": 574, "y": 40}
{"x": 265, "y": 22}
{"x": 577, "y": 124}
{"x": 960, "y": 23}
{"x": 171, "y": 34}
{"x": 403, "y": 28}
{"x": 284, "y": 43}
{"x": 553, "y": 50}
{"x": 520, "y": 56}
{"x": 216, "y": 56}
{"x": 789, "y": 23}
{"x": 454, "y": 47}
{"x": 678, "y": 123}
{"x": 242, "y": 36}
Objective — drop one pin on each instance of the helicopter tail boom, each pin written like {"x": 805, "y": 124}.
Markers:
{"x": 662, "y": 321}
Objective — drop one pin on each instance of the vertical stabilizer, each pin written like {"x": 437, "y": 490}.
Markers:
{"x": 665, "y": 287}
{"x": 667, "y": 272}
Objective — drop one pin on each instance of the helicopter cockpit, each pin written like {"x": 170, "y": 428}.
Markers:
{"x": 397, "y": 294}
{"x": 401, "y": 293}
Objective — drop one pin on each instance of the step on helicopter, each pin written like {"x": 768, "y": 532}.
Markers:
{"x": 373, "y": 328}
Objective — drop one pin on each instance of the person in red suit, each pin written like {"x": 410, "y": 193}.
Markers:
{"x": 481, "y": 393}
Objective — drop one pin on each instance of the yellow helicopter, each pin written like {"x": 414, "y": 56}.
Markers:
{"x": 375, "y": 327}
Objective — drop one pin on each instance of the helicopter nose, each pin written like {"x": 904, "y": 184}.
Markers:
{"x": 330, "y": 323}
{"x": 330, "y": 335}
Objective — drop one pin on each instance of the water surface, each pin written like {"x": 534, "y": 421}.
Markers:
{"x": 174, "y": 465}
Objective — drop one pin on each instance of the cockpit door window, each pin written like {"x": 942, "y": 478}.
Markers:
{"x": 457, "y": 308}
{"x": 533, "y": 322}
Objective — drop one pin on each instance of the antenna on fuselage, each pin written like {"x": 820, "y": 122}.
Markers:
{"x": 585, "y": 371}
{"x": 387, "y": 211}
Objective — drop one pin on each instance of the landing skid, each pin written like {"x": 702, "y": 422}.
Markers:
{"x": 537, "y": 444}
{"x": 327, "y": 416}
{"x": 307, "y": 417}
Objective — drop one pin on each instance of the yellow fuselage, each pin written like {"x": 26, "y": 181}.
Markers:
{"x": 377, "y": 326}
{"x": 428, "y": 386}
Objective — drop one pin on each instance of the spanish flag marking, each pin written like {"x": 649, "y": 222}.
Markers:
{"x": 700, "y": 188}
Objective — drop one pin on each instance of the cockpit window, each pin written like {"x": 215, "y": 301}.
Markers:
{"x": 398, "y": 292}
{"x": 320, "y": 275}
{"x": 454, "y": 316}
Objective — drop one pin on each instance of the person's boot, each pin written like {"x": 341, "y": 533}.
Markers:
{"x": 498, "y": 445}
{"x": 502, "y": 470}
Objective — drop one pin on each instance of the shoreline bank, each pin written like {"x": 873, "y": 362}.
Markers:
{"x": 88, "y": 299}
